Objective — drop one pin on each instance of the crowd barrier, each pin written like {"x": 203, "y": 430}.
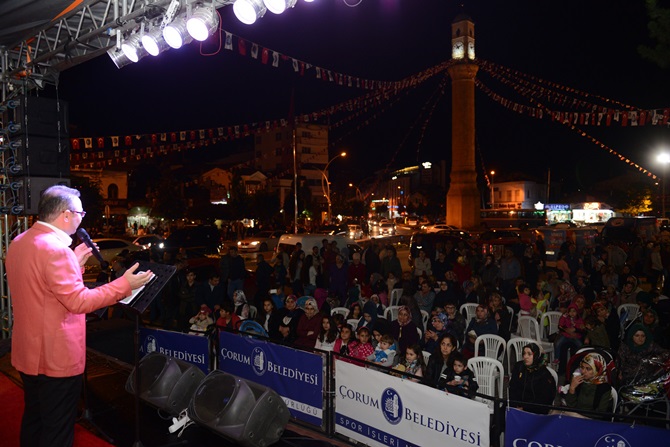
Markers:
{"x": 340, "y": 396}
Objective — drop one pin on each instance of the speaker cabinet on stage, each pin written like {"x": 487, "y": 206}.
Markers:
{"x": 166, "y": 383}
{"x": 41, "y": 153}
{"x": 32, "y": 189}
{"x": 248, "y": 413}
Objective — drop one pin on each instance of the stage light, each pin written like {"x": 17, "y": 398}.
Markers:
{"x": 202, "y": 23}
{"x": 309, "y": 1}
{"x": 279, "y": 6}
{"x": 248, "y": 11}
{"x": 175, "y": 34}
{"x": 132, "y": 48}
{"x": 153, "y": 42}
{"x": 117, "y": 56}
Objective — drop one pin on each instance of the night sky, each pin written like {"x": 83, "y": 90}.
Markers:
{"x": 590, "y": 46}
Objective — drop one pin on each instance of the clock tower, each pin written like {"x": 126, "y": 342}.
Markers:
{"x": 463, "y": 199}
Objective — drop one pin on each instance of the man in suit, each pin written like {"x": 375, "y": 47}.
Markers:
{"x": 50, "y": 301}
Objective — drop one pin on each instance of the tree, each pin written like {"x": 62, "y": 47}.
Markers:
{"x": 659, "y": 30}
{"x": 91, "y": 197}
{"x": 169, "y": 201}
{"x": 634, "y": 200}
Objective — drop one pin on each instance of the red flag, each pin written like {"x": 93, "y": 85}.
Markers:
{"x": 128, "y": 140}
{"x": 101, "y": 143}
{"x": 265, "y": 55}
{"x": 242, "y": 46}
{"x": 75, "y": 143}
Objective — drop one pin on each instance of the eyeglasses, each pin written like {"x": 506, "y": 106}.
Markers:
{"x": 81, "y": 213}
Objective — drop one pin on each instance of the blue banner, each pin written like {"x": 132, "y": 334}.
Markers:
{"x": 297, "y": 376}
{"x": 533, "y": 430}
{"x": 193, "y": 349}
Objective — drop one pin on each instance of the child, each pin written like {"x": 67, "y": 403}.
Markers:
{"x": 461, "y": 381}
{"x": 364, "y": 348}
{"x": 413, "y": 363}
{"x": 525, "y": 302}
{"x": 201, "y": 321}
{"x": 327, "y": 336}
{"x": 345, "y": 343}
{"x": 384, "y": 352}
{"x": 596, "y": 333}
{"x": 227, "y": 319}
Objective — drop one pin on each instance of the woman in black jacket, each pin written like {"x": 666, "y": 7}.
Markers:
{"x": 531, "y": 383}
{"x": 437, "y": 367}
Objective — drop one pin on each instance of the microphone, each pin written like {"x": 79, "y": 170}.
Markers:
{"x": 86, "y": 239}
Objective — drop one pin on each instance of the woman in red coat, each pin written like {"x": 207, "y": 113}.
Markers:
{"x": 309, "y": 325}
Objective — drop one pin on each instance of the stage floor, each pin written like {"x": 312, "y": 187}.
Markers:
{"x": 111, "y": 409}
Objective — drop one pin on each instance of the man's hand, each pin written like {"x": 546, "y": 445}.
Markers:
{"x": 137, "y": 280}
{"x": 82, "y": 252}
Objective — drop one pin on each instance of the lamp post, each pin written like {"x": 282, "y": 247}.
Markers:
{"x": 325, "y": 184}
{"x": 664, "y": 159}
{"x": 359, "y": 194}
{"x": 493, "y": 199}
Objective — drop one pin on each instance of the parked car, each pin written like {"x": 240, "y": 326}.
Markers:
{"x": 149, "y": 241}
{"x": 263, "y": 241}
{"x": 204, "y": 239}
{"x": 110, "y": 248}
{"x": 439, "y": 227}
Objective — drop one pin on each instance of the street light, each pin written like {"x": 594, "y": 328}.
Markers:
{"x": 493, "y": 199}
{"x": 664, "y": 159}
{"x": 325, "y": 184}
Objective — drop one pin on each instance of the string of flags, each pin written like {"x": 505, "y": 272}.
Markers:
{"x": 100, "y": 152}
{"x": 596, "y": 116}
{"x": 541, "y": 111}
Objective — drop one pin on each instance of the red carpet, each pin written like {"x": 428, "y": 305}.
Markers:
{"x": 11, "y": 410}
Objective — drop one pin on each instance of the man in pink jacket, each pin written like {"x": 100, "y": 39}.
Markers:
{"x": 50, "y": 301}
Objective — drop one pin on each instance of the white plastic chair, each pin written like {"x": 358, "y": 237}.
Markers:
{"x": 549, "y": 323}
{"x": 468, "y": 310}
{"x": 353, "y": 322}
{"x": 391, "y": 313}
{"x": 511, "y": 317}
{"x": 631, "y": 311}
{"x": 530, "y": 328}
{"x": 252, "y": 312}
{"x": 394, "y": 299}
{"x": 489, "y": 373}
{"x": 514, "y": 350}
{"x": 339, "y": 310}
{"x": 494, "y": 346}
{"x": 554, "y": 374}
{"x": 426, "y": 356}
{"x": 425, "y": 316}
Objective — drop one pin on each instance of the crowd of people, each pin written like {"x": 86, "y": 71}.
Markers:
{"x": 295, "y": 292}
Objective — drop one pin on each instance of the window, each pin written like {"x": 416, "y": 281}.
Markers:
{"x": 306, "y": 150}
{"x": 278, "y": 151}
{"x": 306, "y": 134}
{"x": 113, "y": 191}
{"x": 278, "y": 136}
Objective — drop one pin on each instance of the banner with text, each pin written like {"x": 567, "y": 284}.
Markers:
{"x": 297, "y": 376}
{"x": 382, "y": 410}
{"x": 529, "y": 430}
{"x": 193, "y": 349}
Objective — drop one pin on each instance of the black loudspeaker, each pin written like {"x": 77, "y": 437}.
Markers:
{"x": 41, "y": 156}
{"x": 30, "y": 190}
{"x": 165, "y": 382}
{"x": 250, "y": 414}
{"x": 40, "y": 116}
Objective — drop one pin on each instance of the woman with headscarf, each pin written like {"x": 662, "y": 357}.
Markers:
{"x": 289, "y": 316}
{"x": 241, "y": 305}
{"x": 437, "y": 326}
{"x": 404, "y": 330}
{"x": 634, "y": 351}
{"x": 369, "y": 315}
{"x": 309, "y": 325}
{"x": 530, "y": 382}
{"x": 589, "y": 389}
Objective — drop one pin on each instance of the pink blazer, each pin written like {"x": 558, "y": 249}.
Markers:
{"x": 50, "y": 301}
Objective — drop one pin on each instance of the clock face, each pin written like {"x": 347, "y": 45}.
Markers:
{"x": 458, "y": 50}
{"x": 471, "y": 50}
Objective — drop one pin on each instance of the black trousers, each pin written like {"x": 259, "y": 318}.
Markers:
{"x": 50, "y": 410}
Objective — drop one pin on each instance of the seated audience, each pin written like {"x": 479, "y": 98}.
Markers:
{"x": 530, "y": 382}
{"x": 589, "y": 389}
{"x": 309, "y": 325}
{"x": 438, "y": 367}
{"x": 637, "y": 347}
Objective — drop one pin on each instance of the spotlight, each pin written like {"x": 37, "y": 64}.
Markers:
{"x": 309, "y": 1}
{"x": 153, "y": 42}
{"x": 248, "y": 11}
{"x": 117, "y": 56}
{"x": 279, "y": 6}
{"x": 175, "y": 34}
{"x": 132, "y": 48}
{"x": 202, "y": 23}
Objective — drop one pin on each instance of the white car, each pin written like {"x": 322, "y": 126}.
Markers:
{"x": 439, "y": 227}
{"x": 263, "y": 241}
{"x": 110, "y": 248}
{"x": 387, "y": 229}
{"x": 355, "y": 232}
